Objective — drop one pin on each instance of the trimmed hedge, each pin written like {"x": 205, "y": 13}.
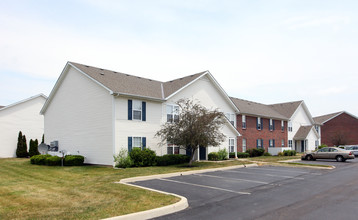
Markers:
{"x": 142, "y": 158}
{"x": 69, "y": 160}
{"x": 255, "y": 152}
{"x": 213, "y": 156}
{"x": 172, "y": 159}
{"x": 289, "y": 153}
{"x": 242, "y": 155}
{"x": 73, "y": 160}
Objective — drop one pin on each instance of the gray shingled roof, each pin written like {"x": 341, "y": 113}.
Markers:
{"x": 133, "y": 85}
{"x": 257, "y": 109}
{"x": 323, "y": 118}
{"x": 286, "y": 109}
{"x": 302, "y": 132}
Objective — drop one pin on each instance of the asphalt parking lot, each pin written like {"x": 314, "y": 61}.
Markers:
{"x": 266, "y": 192}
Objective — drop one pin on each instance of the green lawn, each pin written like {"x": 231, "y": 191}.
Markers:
{"x": 88, "y": 192}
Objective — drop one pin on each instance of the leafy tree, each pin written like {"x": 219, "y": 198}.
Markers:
{"x": 21, "y": 149}
{"x": 34, "y": 148}
{"x": 197, "y": 126}
{"x": 43, "y": 139}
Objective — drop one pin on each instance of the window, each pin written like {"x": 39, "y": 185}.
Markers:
{"x": 272, "y": 125}
{"x": 244, "y": 121}
{"x": 259, "y": 144}
{"x": 290, "y": 143}
{"x": 231, "y": 145}
{"x": 172, "y": 149}
{"x": 290, "y": 126}
{"x": 172, "y": 113}
{"x": 283, "y": 143}
{"x": 137, "y": 110}
{"x": 282, "y": 125}
{"x": 272, "y": 143}
{"x": 317, "y": 128}
{"x": 316, "y": 143}
{"x": 243, "y": 145}
{"x": 231, "y": 118}
{"x": 259, "y": 123}
{"x": 139, "y": 142}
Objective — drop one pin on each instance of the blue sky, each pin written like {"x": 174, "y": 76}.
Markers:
{"x": 268, "y": 51}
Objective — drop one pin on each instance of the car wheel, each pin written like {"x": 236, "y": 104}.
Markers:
{"x": 309, "y": 157}
{"x": 340, "y": 158}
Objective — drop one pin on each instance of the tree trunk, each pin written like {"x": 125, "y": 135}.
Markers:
{"x": 192, "y": 156}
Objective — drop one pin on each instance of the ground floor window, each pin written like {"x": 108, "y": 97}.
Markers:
{"x": 244, "y": 145}
{"x": 259, "y": 143}
{"x": 290, "y": 143}
{"x": 231, "y": 145}
{"x": 272, "y": 142}
{"x": 172, "y": 149}
{"x": 283, "y": 143}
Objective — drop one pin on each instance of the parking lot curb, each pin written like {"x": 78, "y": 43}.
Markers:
{"x": 176, "y": 207}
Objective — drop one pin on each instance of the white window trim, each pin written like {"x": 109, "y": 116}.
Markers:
{"x": 231, "y": 117}
{"x": 173, "y": 112}
{"x": 133, "y": 109}
{"x": 283, "y": 143}
{"x": 244, "y": 146}
{"x": 259, "y": 123}
{"x": 243, "y": 121}
{"x": 271, "y": 124}
{"x": 173, "y": 146}
{"x": 233, "y": 142}
{"x": 140, "y": 143}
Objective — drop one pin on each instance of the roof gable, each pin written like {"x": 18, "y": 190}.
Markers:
{"x": 286, "y": 109}
{"x": 302, "y": 132}
{"x": 22, "y": 101}
{"x": 324, "y": 118}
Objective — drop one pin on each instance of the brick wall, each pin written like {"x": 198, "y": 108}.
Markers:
{"x": 251, "y": 134}
{"x": 343, "y": 124}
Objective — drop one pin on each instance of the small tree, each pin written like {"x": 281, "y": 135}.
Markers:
{"x": 339, "y": 138}
{"x": 34, "y": 148}
{"x": 21, "y": 149}
{"x": 43, "y": 139}
{"x": 197, "y": 126}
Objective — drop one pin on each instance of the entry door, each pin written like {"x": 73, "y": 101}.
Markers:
{"x": 302, "y": 146}
{"x": 202, "y": 155}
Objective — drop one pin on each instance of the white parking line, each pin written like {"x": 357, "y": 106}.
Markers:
{"x": 246, "y": 180}
{"x": 204, "y": 186}
{"x": 292, "y": 171}
{"x": 290, "y": 177}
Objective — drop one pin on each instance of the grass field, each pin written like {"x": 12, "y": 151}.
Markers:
{"x": 87, "y": 192}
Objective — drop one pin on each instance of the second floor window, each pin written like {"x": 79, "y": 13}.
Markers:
{"x": 282, "y": 125}
{"x": 243, "y": 121}
{"x": 259, "y": 123}
{"x": 289, "y": 126}
{"x": 137, "y": 110}
{"x": 172, "y": 113}
{"x": 231, "y": 118}
{"x": 272, "y": 124}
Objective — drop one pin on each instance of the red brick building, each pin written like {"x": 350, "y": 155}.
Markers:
{"x": 340, "y": 125}
{"x": 260, "y": 126}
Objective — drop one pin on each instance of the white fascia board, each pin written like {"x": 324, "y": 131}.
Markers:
{"x": 60, "y": 80}
{"x": 232, "y": 127}
{"x": 137, "y": 97}
{"x": 182, "y": 88}
{"x": 24, "y": 100}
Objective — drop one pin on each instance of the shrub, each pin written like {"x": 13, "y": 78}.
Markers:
{"x": 232, "y": 155}
{"x": 39, "y": 159}
{"x": 322, "y": 146}
{"x": 222, "y": 154}
{"x": 289, "y": 153}
{"x": 242, "y": 155}
{"x": 123, "y": 160}
{"x": 267, "y": 154}
{"x": 53, "y": 161}
{"x": 34, "y": 148}
{"x": 142, "y": 158}
{"x": 280, "y": 154}
{"x": 73, "y": 160}
{"x": 213, "y": 156}
{"x": 172, "y": 159}
{"x": 21, "y": 149}
{"x": 255, "y": 152}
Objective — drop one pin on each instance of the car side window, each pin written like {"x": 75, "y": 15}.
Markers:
{"x": 355, "y": 148}
{"x": 324, "y": 150}
{"x": 333, "y": 150}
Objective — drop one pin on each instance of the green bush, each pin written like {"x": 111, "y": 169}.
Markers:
{"x": 255, "y": 152}
{"x": 34, "y": 148}
{"x": 322, "y": 146}
{"x": 142, "y": 158}
{"x": 213, "y": 156}
{"x": 172, "y": 159}
{"x": 123, "y": 160}
{"x": 242, "y": 155}
{"x": 73, "y": 160}
{"x": 232, "y": 155}
{"x": 53, "y": 161}
{"x": 222, "y": 154}
{"x": 267, "y": 154}
{"x": 289, "y": 153}
{"x": 39, "y": 159}
{"x": 280, "y": 154}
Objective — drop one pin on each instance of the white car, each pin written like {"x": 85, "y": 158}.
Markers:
{"x": 353, "y": 148}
